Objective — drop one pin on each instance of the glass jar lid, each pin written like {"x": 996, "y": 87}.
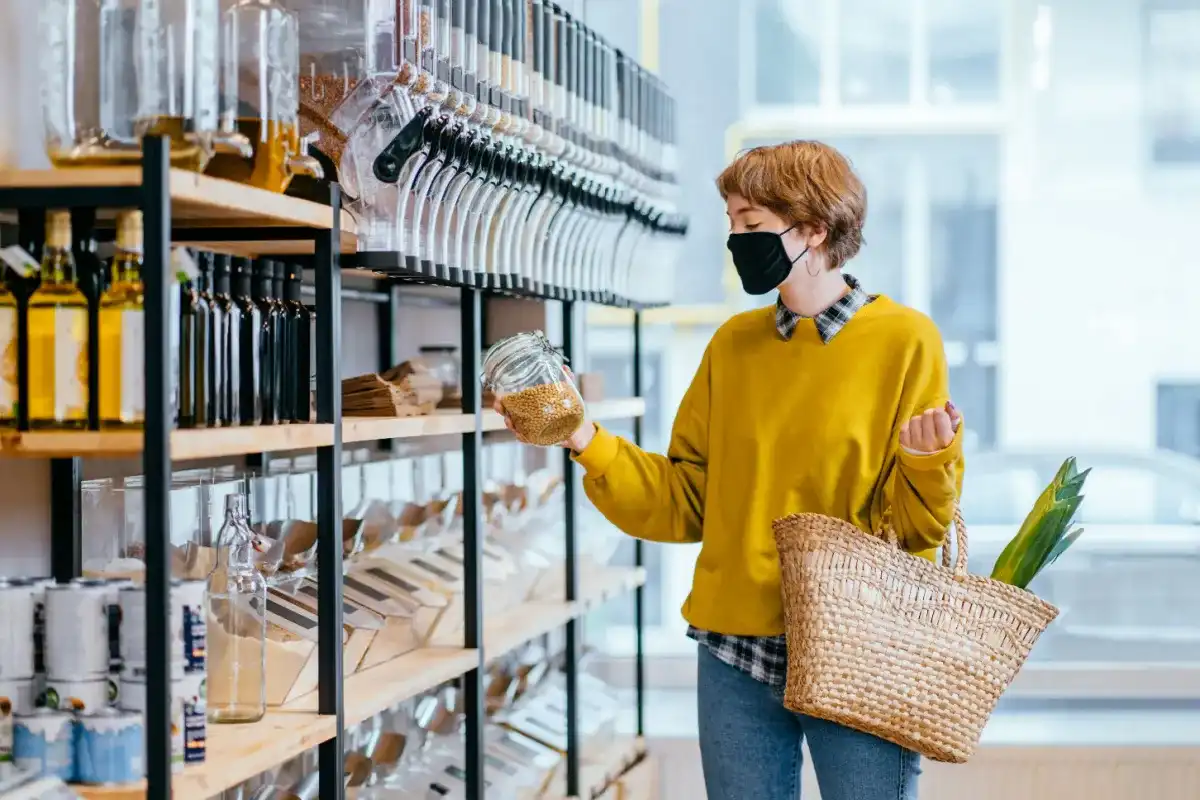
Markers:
{"x": 511, "y": 352}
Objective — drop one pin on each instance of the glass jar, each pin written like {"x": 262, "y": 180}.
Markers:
{"x": 261, "y": 62}
{"x": 444, "y": 364}
{"x": 237, "y": 624}
{"x": 117, "y": 70}
{"x": 534, "y": 388}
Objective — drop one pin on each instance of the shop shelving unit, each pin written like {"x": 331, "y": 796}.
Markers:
{"x": 182, "y": 207}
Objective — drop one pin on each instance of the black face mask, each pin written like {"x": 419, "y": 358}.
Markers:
{"x": 761, "y": 260}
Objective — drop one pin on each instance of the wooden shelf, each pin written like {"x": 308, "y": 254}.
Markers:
{"x": 446, "y": 423}
{"x": 439, "y": 423}
{"x": 198, "y": 201}
{"x": 376, "y": 689}
{"x": 198, "y": 443}
{"x": 236, "y": 753}
{"x": 186, "y": 445}
{"x": 239, "y": 752}
{"x": 599, "y": 771}
{"x": 530, "y": 620}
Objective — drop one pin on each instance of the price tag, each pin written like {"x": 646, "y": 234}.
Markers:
{"x": 183, "y": 265}
{"x": 19, "y": 260}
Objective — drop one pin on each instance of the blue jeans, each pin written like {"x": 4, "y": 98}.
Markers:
{"x": 750, "y": 746}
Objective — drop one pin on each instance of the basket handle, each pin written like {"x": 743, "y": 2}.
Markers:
{"x": 960, "y": 541}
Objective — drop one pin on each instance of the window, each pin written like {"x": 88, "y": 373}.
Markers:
{"x": 1172, "y": 80}
{"x": 875, "y": 52}
{"x": 1178, "y": 418}
{"x": 1127, "y": 589}
{"x": 964, "y": 51}
{"x": 875, "y": 38}
{"x": 786, "y": 54}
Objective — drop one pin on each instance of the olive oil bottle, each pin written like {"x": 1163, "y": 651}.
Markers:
{"x": 123, "y": 330}
{"x": 8, "y": 355}
{"x": 58, "y": 325}
{"x": 227, "y": 328}
{"x": 250, "y": 366}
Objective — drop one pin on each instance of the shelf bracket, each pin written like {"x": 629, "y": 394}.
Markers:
{"x": 571, "y": 657}
{"x": 329, "y": 499}
{"x": 472, "y": 441}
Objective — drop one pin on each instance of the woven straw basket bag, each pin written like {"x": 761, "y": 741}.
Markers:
{"x": 889, "y": 643}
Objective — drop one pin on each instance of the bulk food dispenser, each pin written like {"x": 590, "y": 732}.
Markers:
{"x": 357, "y": 63}
{"x": 259, "y": 86}
{"x": 117, "y": 70}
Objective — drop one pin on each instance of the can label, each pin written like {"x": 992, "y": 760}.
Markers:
{"x": 195, "y": 637}
{"x": 78, "y": 635}
{"x": 133, "y": 698}
{"x": 195, "y": 721}
{"x": 187, "y": 626}
{"x": 109, "y": 748}
{"x": 42, "y": 744}
{"x": 39, "y": 634}
{"x": 6, "y": 730}
{"x": 114, "y": 638}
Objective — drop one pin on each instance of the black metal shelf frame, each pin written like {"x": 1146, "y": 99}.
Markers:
{"x": 153, "y": 198}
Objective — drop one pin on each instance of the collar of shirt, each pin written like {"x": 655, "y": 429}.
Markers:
{"x": 830, "y": 321}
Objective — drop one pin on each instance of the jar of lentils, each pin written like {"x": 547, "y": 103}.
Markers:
{"x": 530, "y": 380}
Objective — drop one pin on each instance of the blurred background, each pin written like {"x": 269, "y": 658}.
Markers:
{"x": 1033, "y": 173}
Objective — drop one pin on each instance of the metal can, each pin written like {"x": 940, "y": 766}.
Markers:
{"x": 187, "y": 629}
{"x": 192, "y": 597}
{"x": 89, "y": 695}
{"x": 39, "y": 624}
{"x": 18, "y": 607}
{"x": 42, "y": 743}
{"x": 77, "y": 616}
{"x": 109, "y": 747}
{"x": 194, "y": 696}
{"x": 16, "y": 697}
{"x": 113, "y": 610}
{"x": 133, "y": 699}
{"x": 21, "y": 695}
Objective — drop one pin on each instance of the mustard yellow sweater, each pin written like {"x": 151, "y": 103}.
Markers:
{"x": 771, "y": 427}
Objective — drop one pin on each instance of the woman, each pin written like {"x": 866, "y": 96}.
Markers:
{"x": 831, "y": 401}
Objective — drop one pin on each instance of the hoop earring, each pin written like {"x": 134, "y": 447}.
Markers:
{"x": 806, "y": 269}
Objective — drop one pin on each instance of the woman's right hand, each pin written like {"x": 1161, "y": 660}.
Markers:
{"x": 577, "y": 442}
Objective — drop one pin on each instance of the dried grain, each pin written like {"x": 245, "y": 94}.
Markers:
{"x": 545, "y": 415}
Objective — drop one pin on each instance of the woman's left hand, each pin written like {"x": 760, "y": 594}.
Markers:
{"x": 931, "y": 431}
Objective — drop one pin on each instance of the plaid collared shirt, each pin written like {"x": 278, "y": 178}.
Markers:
{"x": 764, "y": 658}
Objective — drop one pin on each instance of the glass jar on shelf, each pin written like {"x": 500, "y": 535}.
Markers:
{"x": 445, "y": 364}
{"x": 261, "y": 101}
{"x": 530, "y": 379}
{"x": 115, "y": 71}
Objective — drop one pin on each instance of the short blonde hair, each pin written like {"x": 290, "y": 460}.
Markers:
{"x": 807, "y": 183}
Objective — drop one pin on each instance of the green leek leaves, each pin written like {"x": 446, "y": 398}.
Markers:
{"x": 1046, "y": 533}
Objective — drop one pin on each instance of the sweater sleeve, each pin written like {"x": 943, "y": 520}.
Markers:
{"x": 654, "y": 497}
{"x": 926, "y": 486}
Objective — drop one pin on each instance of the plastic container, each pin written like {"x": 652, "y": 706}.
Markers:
{"x": 114, "y": 72}
{"x": 348, "y": 60}
{"x": 260, "y": 63}
{"x": 530, "y": 380}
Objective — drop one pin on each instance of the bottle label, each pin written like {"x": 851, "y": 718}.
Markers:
{"x": 19, "y": 260}
{"x": 8, "y": 362}
{"x": 70, "y": 363}
{"x": 195, "y": 733}
{"x": 133, "y": 365}
{"x": 195, "y": 638}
